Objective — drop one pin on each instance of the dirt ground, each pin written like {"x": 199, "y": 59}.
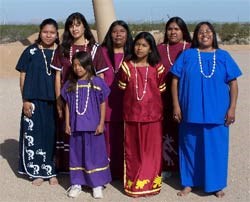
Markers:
{"x": 15, "y": 188}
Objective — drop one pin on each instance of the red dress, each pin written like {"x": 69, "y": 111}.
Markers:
{"x": 170, "y": 127}
{"x": 143, "y": 128}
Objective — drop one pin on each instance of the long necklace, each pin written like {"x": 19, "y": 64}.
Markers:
{"x": 144, "y": 85}
{"x": 168, "y": 52}
{"x": 201, "y": 67}
{"x": 48, "y": 71}
{"x": 77, "y": 100}
{"x": 71, "y": 50}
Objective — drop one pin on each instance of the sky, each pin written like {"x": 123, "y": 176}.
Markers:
{"x": 34, "y": 11}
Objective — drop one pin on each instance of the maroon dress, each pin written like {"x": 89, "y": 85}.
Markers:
{"x": 114, "y": 126}
{"x": 143, "y": 128}
{"x": 170, "y": 127}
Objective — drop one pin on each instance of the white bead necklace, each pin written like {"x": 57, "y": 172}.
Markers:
{"x": 144, "y": 85}
{"x": 168, "y": 53}
{"x": 48, "y": 71}
{"x": 201, "y": 68}
{"x": 71, "y": 50}
{"x": 77, "y": 100}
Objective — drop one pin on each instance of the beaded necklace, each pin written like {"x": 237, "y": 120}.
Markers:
{"x": 201, "y": 67}
{"x": 144, "y": 85}
{"x": 77, "y": 100}
{"x": 48, "y": 71}
{"x": 168, "y": 52}
{"x": 85, "y": 45}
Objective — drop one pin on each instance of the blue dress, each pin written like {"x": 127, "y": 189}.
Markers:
{"x": 203, "y": 137}
{"x": 37, "y": 133}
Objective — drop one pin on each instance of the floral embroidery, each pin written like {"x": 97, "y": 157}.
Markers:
{"x": 157, "y": 182}
{"x": 32, "y": 51}
{"x": 141, "y": 183}
{"x": 129, "y": 184}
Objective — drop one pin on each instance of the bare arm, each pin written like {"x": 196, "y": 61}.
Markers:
{"x": 230, "y": 116}
{"x": 21, "y": 81}
{"x": 100, "y": 127}
{"x": 58, "y": 83}
{"x": 101, "y": 75}
{"x": 176, "y": 106}
{"x": 67, "y": 120}
{"x": 59, "y": 102}
{"x": 27, "y": 106}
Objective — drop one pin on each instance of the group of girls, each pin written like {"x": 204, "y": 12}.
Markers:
{"x": 112, "y": 111}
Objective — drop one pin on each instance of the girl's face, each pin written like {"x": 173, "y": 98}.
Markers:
{"x": 119, "y": 36}
{"x": 174, "y": 33}
{"x": 79, "y": 70}
{"x": 48, "y": 35}
{"x": 142, "y": 48}
{"x": 77, "y": 29}
{"x": 205, "y": 37}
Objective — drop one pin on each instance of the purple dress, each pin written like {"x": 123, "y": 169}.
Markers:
{"x": 88, "y": 164}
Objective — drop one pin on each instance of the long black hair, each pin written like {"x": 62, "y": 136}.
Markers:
{"x": 48, "y": 21}
{"x": 85, "y": 60}
{"x": 195, "y": 41}
{"x": 180, "y": 22}
{"x": 153, "y": 57}
{"x": 68, "y": 38}
{"x": 108, "y": 42}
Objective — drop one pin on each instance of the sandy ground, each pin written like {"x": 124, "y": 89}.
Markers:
{"x": 15, "y": 188}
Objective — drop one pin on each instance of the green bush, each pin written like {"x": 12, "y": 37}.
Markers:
{"x": 228, "y": 32}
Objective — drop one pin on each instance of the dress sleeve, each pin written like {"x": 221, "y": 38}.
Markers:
{"x": 161, "y": 71}
{"x": 56, "y": 63}
{"x": 123, "y": 76}
{"x": 99, "y": 62}
{"x": 177, "y": 68}
{"x": 232, "y": 69}
{"x": 105, "y": 90}
{"x": 24, "y": 59}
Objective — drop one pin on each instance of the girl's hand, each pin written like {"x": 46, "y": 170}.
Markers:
{"x": 27, "y": 108}
{"x": 99, "y": 129}
{"x": 59, "y": 106}
{"x": 177, "y": 114}
{"x": 68, "y": 129}
{"x": 230, "y": 117}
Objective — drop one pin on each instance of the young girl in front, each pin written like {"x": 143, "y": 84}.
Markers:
{"x": 85, "y": 96}
{"x": 142, "y": 78}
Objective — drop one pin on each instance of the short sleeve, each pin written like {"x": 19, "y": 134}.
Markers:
{"x": 56, "y": 63}
{"x": 178, "y": 66}
{"x": 99, "y": 62}
{"x": 105, "y": 90}
{"x": 24, "y": 59}
{"x": 123, "y": 76}
{"x": 232, "y": 69}
{"x": 161, "y": 71}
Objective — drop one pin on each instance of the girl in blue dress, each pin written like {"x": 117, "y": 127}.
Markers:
{"x": 85, "y": 95}
{"x": 204, "y": 90}
{"x": 37, "y": 131}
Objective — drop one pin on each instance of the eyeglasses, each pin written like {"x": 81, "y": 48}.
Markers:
{"x": 202, "y": 32}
